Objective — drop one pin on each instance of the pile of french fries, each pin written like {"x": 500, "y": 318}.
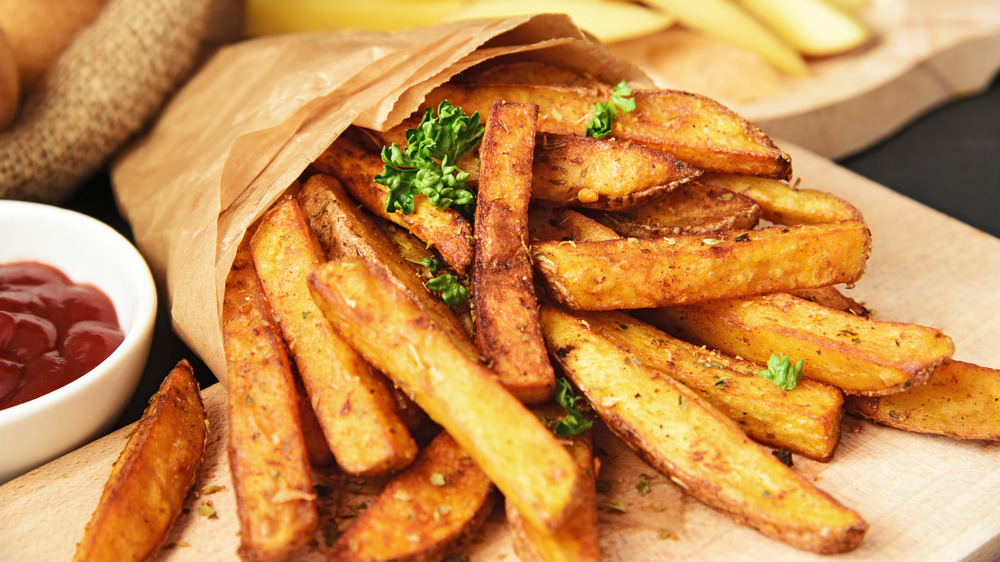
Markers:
{"x": 658, "y": 270}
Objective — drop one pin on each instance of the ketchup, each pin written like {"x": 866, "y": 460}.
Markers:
{"x": 52, "y": 330}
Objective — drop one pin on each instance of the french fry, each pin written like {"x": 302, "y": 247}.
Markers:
{"x": 805, "y": 420}
{"x": 352, "y": 402}
{"x": 516, "y": 451}
{"x": 444, "y": 229}
{"x": 784, "y": 204}
{"x": 961, "y": 400}
{"x": 277, "y": 515}
{"x": 507, "y": 330}
{"x": 531, "y": 72}
{"x": 830, "y": 297}
{"x": 154, "y": 472}
{"x": 343, "y": 229}
{"x": 856, "y": 354}
{"x": 677, "y": 432}
{"x": 565, "y": 225}
{"x": 425, "y": 512}
{"x": 693, "y": 208}
{"x": 577, "y": 539}
{"x": 689, "y": 268}
{"x": 693, "y": 128}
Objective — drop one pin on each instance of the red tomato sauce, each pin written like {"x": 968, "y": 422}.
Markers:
{"x": 52, "y": 330}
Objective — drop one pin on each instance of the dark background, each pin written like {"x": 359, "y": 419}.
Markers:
{"x": 949, "y": 159}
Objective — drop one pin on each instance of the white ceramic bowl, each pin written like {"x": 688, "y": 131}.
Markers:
{"x": 88, "y": 251}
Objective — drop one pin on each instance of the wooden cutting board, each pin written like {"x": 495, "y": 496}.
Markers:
{"x": 927, "y": 52}
{"x": 925, "y": 497}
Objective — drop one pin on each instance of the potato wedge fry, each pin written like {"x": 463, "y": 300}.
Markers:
{"x": 693, "y": 208}
{"x": 425, "y": 512}
{"x": 830, "y": 297}
{"x": 519, "y": 454}
{"x": 805, "y": 420}
{"x": 565, "y": 225}
{"x": 352, "y": 401}
{"x": 784, "y": 204}
{"x": 530, "y": 72}
{"x": 507, "y": 330}
{"x": 577, "y": 539}
{"x": 961, "y": 400}
{"x": 693, "y": 128}
{"x": 856, "y": 354}
{"x": 343, "y": 229}
{"x": 677, "y": 432}
{"x": 575, "y": 171}
{"x": 689, "y": 268}
{"x": 444, "y": 229}
{"x": 154, "y": 472}
{"x": 277, "y": 515}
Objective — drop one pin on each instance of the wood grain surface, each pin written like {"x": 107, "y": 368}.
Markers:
{"x": 925, "y": 497}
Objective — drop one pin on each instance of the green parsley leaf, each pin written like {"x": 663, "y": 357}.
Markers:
{"x": 431, "y": 264}
{"x": 605, "y": 113}
{"x": 452, "y": 292}
{"x": 781, "y": 372}
{"x": 574, "y": 423}
{"x": 428, "y": 164}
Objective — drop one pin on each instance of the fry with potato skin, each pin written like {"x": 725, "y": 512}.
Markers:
{"x": 277, "y": 515}
{"x": 689, "y": 268}
{"x": 961, "y": 400}
{"x": 519, "y": 454}
{"x": 677, "y": 432}
{"x": 423, "y": 513}
{"x": 693, "y": 128}
{"x": 507, "y": 330}
{"x": 856, "y": 354}
{"x": 352, "y": 401}
{"x": 785, "y": 204}
{"x": 149, "y": 481}
{"x": 565, "y": 225}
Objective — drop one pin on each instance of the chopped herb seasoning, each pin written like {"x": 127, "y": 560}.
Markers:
{"x": 437, "y": 479}
{"x": 781, "y": 372}
{"x": 642, "y": 486}
{"x": 783, "y": 455}
{"x": 574, "y": 423}
{"x": 604, "y": 113}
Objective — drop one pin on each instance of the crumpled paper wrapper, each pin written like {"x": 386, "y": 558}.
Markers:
{"x": 259, "y": 112}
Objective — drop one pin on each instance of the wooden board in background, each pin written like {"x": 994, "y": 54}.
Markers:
{"x": 925, "y": 497}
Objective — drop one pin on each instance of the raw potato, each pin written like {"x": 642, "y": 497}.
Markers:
{"x": 507, "y": 330}
{"x": 677, "y": 432}
{"x": 805, "y": 420}
{"x": 693, "y": 128}
{"x": 352, "y": 401}
{"x": 151, "y": 478}
{"x": 689, "y": 268}
{"x": 693, "y": 208}
{"x": 519, "y": 454}
{"x": 961, "y": 400}
{"x": 425, "y": 512}
{"x": 277, "y": 515}
{"x": 784, "y": 204}
{"x": 856, "y": 354}
{"x": 813, "y": 27}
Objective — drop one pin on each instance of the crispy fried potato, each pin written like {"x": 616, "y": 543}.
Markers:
{"x": 528, "y": 72}
{"x": 352, "y": 401}
{"x": 644, "y": 273}
{"x": 577, "y": 539}
{"x": 444, "y": 229}
{"x": 565, "y": 225}
{"x": 856, "y": 354}
{"x": 693, "y": 128}
{"x": 507, "y": 330}
{"x": 576, "y": 171}
{"x": 961, "y": 400}
{"x": 277, "y": 515}
{"x": 677, "y": 432}
{"x": 693, "y": 208}
{"x": 784, "y": 204}
{"x": 345, "y": 230}
{"x": 148, "y": 483}
{"x": 425, "y": 512}
{"x": 519, "y": 454}
{"x": 830, "y": 297}
{"x": 805, "y": 420}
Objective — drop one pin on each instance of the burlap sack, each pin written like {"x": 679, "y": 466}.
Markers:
{"x": 104, "y": 88}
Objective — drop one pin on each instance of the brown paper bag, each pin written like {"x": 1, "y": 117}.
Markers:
{"x": 251, "y": 120}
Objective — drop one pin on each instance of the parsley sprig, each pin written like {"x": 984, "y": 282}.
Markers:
{"x": 427, "y": 165}
{"x": 574, "y": 423}
{"x": 781, "y": 372}
{"x": 453, "y": 293}
{"x": 605, "y": 113}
